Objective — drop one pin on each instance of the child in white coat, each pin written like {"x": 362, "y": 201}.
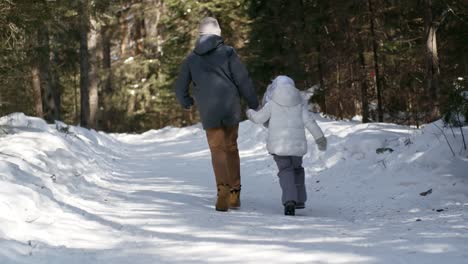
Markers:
{"x": 287, "y": 117}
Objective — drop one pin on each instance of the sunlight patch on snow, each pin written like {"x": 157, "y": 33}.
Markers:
{"x": 431, "y": 248}
{"x": 197, "y": 154}
{"x": 257, "y": 150}
{"x": 460, "y": 227}
{"x": 257, "y": 253}
{"x": 330, "y": 240}
{"x": 286, "y": 227}
{"x": 334, "y": 160}
{"x": 441, "y": 235}
{"x": 170, "y": 230}
{"x": 416, "y": 156}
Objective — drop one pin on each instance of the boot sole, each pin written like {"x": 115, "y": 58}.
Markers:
{"x": 289, "y": 212}
{"x": 300, "y": 206}
{"x": 236, "y": 206}
{"x": 221, "y": 210}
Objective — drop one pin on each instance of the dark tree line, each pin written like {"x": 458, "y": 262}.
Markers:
{"x": 385, "y": 60}
{"x": 110, "y": 64}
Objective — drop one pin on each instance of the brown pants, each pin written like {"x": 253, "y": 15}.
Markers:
{"x": 225, "y": 155}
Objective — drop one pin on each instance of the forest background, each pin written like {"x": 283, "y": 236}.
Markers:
{"x": 110, "y": 65}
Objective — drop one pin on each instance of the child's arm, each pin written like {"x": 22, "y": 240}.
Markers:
{"x": 314, "y": 129}
{"x": 260, "y": 116}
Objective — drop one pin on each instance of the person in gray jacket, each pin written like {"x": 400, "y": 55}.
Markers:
{"x": 287, "y": 118}
{"x": 219, "y": 80}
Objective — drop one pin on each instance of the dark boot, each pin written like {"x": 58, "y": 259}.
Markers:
{"x": 290, "y": 208}
{"x": 234, "y": 200}
{"x": 222, "y": 203}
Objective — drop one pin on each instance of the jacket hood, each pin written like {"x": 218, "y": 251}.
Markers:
{"x": 286, "y": 95}
{"x": 207, "y": 43}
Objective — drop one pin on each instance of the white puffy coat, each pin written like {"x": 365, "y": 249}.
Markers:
{"x": 287, "y": 116}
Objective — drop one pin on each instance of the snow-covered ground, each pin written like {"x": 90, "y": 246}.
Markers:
{"x": 78, "y": 196}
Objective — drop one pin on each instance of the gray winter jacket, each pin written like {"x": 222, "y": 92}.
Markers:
{"x": 218, "y": 80}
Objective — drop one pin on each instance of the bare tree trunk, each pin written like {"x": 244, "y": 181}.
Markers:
{"x": 415, "y": 103}
{"x": 151, "y": 23}
{"x": 84, "y": 62}
{"x": 364, "y": 86}
{"x": 432, "y": 58}
{"x": 106, "y": 58}
{"x": 55, "y": 85}
{"x": 362, "y": 72}
{"x": 37, "y": 94}
{"x": 321, "y": 75}
{"x": 340, "y": 90}
{"x": 131, "y": 104}
{"x": 75, "y": 93}
{"x": 106, "y": 95}
{"x": 45, "y": 73}
{"x": 378, "y": 82}
{"x": 124, "y": 35}
{"x": 465, "y": 60}
{"x": 289, "y": 48}
{"x": 140, "y": 33}
{"x": 93, "y": 74}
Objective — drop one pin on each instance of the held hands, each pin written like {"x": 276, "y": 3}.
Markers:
{"x": 322, "y": 143}
{"x": 249, "y": 113}
{"x": 187, "y": 103}
{"x": 189, "y": 107}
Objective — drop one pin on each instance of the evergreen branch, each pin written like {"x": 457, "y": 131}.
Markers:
{"x": 449, "y": 9}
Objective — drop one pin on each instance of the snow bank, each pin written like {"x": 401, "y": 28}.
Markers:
{"x": 48, "y": 176}
{"x": 79, "y": 196}
{"x": 20, "y": 121}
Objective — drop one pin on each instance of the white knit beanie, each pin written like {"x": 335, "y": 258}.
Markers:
{"x": 209, "y": 26}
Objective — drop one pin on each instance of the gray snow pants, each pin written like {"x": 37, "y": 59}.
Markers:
{"x": 292, "y": 178}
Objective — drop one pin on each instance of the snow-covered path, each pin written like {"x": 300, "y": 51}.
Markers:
{"x": 97, "y": 198}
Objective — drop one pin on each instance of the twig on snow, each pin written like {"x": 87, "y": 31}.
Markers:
{"x": 461, "y": 131}
{"x": 9, "y": 155}
{"x": 446, "y": 139}
{"x": 453, "y": 133}
{"x": 4, "y": 130}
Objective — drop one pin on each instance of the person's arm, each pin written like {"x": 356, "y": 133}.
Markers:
{"x": 261, "y": 116}
{"x": 242, "y": 80}
{"x": 182, "y": 86}
{"x": 314, "y": 129}
{"x": 311, "y": 125}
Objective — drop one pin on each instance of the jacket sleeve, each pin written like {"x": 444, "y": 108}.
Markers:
{"x": 311, "y": 124}
{"x": 182, "y": 86}
{"x": 242, "y": 80}
{"x": 261, "y": 116}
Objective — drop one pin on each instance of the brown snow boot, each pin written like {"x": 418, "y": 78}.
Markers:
{"x": 234, "y": 200}
{"x": 222, "y": 203}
